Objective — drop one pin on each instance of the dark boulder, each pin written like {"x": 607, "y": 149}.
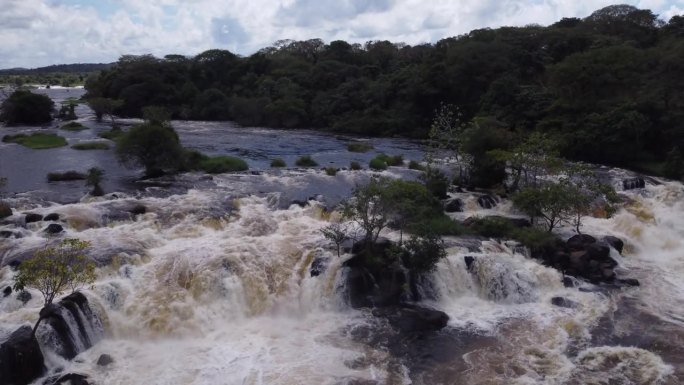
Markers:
{"x": 409, "y": 318}
{"x": 6, "y": 234}
{"x": 32, "y": 217}
{"x": 633, "y": 183}
{"x": 563, "y": 302}
{"x": 614, "y": 242}
{"x": 453, "y": 206}
{"x": 319, "y": 266}
{"x": 24, "y": 296}
{"x": 138, "y": 209}
{"x": 104, "y": 360}
{"x": 5, "y": 210}
{"x": 7, "y": 291}
{"x": 580, "y": 241}
{"x": 469, "y": 262}
{"x": 487, "y": 201}
{"x": 51, "y": 217}
{"x": 67, "y": 379}
{"x": 21, "y": 360}
{"x": 629, "y": 282}
{"x": 53, "y": 228}
{"x": 380, "y": 246}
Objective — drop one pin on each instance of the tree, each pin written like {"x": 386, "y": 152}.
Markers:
{"x": 335, "y": 233}
{"x": 93, "y": 179}
{"x": 152, "y": 146}
{"x": 53, "y": 270}
{"x": 25, "y": 107}
{"x": 370, "y": 209}
{"x": 552, "y": 202}
{"x": 104, "y": 106}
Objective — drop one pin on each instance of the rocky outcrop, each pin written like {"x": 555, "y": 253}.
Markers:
{"x": 564, "y": 302}
{"x": 411, "y": 318}
{"x": 104, "y": 360}
{"x": 67, "y": 379}
{"x": 5, "y": 210}
{"x": 453, "y": 205}
{"x": 487, "y": 201}
{"x": 319, "y": 266}
{"x": 51, "y": 217}
{"x": 614, "y": 242}
{"x": 633, "y": 183}
{"x": 21, "y": 360}
{"x": 53, "y": 228}
{"x": 32, "y": 217}
{"x": 7, "y": 291}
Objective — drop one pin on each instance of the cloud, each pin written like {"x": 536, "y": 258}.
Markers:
{"x": 41, "y": 32}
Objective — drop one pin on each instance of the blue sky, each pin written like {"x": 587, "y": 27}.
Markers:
{"x": 42, "y": 32}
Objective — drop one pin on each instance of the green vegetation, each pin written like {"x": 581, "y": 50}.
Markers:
{"x": 90, "y": 146}
{"x": 503, "y": 228}
{"x": 73, "y": 126}
{"x": 65, "y": 75}
{"x": 25, "y": 107}
{"x": 155, "y": 147}
{"x": 331, "y": 171}
{"x": 65, "y": 176}
{"x": 36, "y": 141}
{"x": 93, "y": 179}
{"x": 377, "y": 164}
{"x": 104, "y": 106}
{"x": 222, "y": 164}
{"x": 306, "y": 161}
{"x": 68, "y": 110}
{"x": 413, "y": 165}
{"x": 337, "y": 234}
{"x": 396, "y": 160}
{"x": 278, "y": 162}
{"x": 355, "y": 166}
{"x": 53, "y": 270}
{"x": 112, "y": 134}
{"x": 359, "y": 147}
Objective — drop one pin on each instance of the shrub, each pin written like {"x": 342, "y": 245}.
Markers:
{"x": 355, "y": 166}
{"x": 439, "y": 224}
{"x": 152, "y": 146}
{"x": 423, "y": 253}
{"x": 90, "y": 146}
{"x": 331, "y": 171}
{"x": 359, "y": 147}
{"x": 278, "y": 163}
{"x": 36, "y": 141}
{"x": 73, "y": 126}
{"x": 413, "y": 165}
{"x": 65, "y": 176}
{"x": 221, "y": 164}
{"x": 396, "y": 160}
{"x": 93, "y": 179}
{"x": 377, "y": 164}
{"x": 306, "y": 161}
{"x": 112, "y": 134}
{"x": 437, "y": 183}
{"x": 25, "y": 107}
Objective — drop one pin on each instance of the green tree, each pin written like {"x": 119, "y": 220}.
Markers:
{"x": 25, "y": 107}
{"x": 152, "y": 146}
{"x": 104, "y": 106}
{"x": 53, "y": 270}
{"x": 337, "y": 234}
{"x": 93, "y": 179}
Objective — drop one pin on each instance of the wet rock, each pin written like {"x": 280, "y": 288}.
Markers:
{"x": 7, "y": 291}
{"x": 580, "y": 241}
{"x": 71, "y": 321}
{"x": 9, "y": 234}
{"x": 570, "y": 282}
{"x": 563, "y": 302}
{"x": 487, "y": 201}
{"x": 469, "y": 262}
{"x": 138, "y": 209}
{"x": 408, "y": 318}
{"x": 67, "y": 379}
{"x": 453, "y": 206}
{"x": 21, "y": 360}
{"x": 104, "y": 360}
{"x": 380, "y": 246}
{"x": 53, "y": 228}
{"x": 629, "y": 282}
{"x": 5, "y": 210}
{"x": 319, "y": 266}
{"x": 615, "y": 242}
{"x": 32, "y": 217}
{"x": 24, "y": 296}
{"x": 633, "y": 183}
{"x": 51, "y": 217}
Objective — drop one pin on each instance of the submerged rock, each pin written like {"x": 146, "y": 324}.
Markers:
{"x": 138, "y": 209}
{"x": 453, "y": 206}
{"x": 21, "y": 360}
{"x": 633, "y": 183}
{"x": 51, "y": 217}
{"x": 32, "y": 217}
{"x": 409, "y": 318}
{"x": 7, "y": 291}
{"x": 563, "y": 302}
{"x": 53, "y": 228}
{"x": 5, "y": 210}
{"x": 319, "y": 266}
{"x": 615, "y": 242}
{"x": 24, "y": 296}
{"x": 104, "y": 360}
{"x": 629, "y": 282}
{"x": 487, "y": 201}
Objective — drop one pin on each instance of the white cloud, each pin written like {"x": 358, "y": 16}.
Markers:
{"x": 42, "y": 32}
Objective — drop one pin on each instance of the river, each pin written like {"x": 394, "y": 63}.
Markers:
{"x": 211, "y": 285}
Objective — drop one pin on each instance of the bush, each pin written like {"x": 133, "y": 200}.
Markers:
{"x": 502, "y": 228}
{"x": 25, "y": 107}
{"x": 152, "y": 146}
{"x": 437, "y": 183}
{"x": 90, "y": 146}
{"x": 359, "y": 147}
{"x": 423, "y": 253}
{"x": 36, "y": 141}
{"x": 331, "y": 171}
{"x": 377, "y": 164}
{"x": 396, "y": 160}
{"x": 221, "y": 164}
{"x": 355, "y": 166}
{"x": 112, "y": 134}
{"x": 73, "y": 126}
{"x": 413, "y": 165}
{"x": 439, "y": 224}
{"x": 278, "y": 163}
{"x": 65, "y": 176}
{"x": 306, "y": 161}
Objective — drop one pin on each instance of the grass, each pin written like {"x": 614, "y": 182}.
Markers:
{"x": 112, "y": 134}
{"x": 331, "y": 171}
{"x": 306, "y": 161}
{"x": 413, "y": 165}
{"x": 355, "y": 166}
{"x": 377, "y": 164}
{"x": 90, "y": 146}
{"x": 495, "y": 227}
{"x": 278, "y": 163}
{"x": 74, "y": 126}
{"x": 359, "y": 147}
{"x": 65, "y": 176}
{"x": 221, "y": 164}
{"x": 36, "y": 141}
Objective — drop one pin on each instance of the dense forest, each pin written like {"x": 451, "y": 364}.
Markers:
{"x": 67, "y": 75}
{"x": 607, "y": 88}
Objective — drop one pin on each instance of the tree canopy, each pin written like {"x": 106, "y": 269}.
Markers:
{"x": 25, "y": 107}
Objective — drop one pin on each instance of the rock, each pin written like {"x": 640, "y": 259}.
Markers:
{"x": 51, "y": 217}
{"x": 319, "y": 266}
{"x": 629, "y": 282}
{"x": 74, "y": 325}
{"x": 580, "y": 241}
{"x": 21, "y": 360}
{"x": 614, "y": 242}
{"x": 53, "y": 228}
{"x": 5, "y": 210}
{"x": 24, "y": 296}
{"x": 7, "y": 291}
{"x": 32, "y": 217}
{"x": 408, "y": 318}
{"x": 138, "y": 209}
{"x": 9, "y": 234}
{"x": 563, "y": 302}
{"x": 67, "y": 379}
{"x": 380, "y": 246}
{"x": 633, "y": 183}
{"x": 453, "y": 206}
{"x": 570, "y": 282}
{"x": 104, "y": 360}
{"x": 469, "y": 262}
{"x": 487, "y": 201}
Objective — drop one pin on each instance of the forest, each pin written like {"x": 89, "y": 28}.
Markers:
{"x": 607, "y": 88}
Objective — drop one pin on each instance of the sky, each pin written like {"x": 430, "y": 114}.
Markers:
{"x": 36, "y": 33}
